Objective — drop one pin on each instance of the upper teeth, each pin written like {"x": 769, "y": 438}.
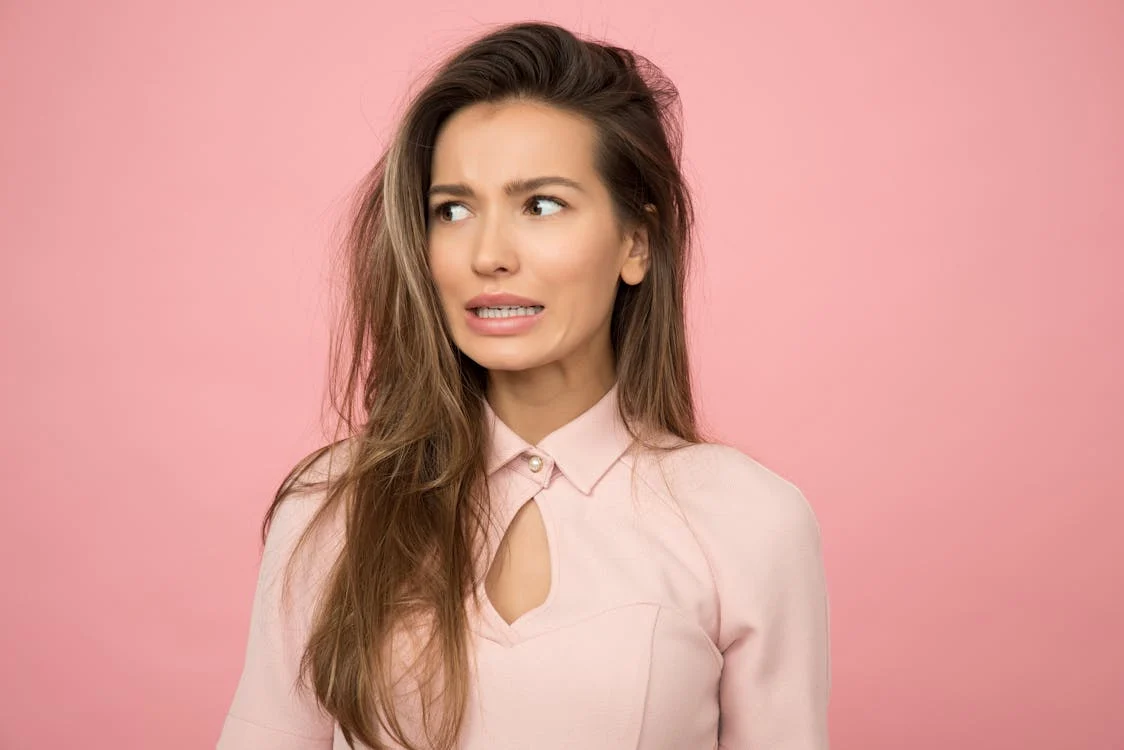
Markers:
{"x": 506, "y": 311}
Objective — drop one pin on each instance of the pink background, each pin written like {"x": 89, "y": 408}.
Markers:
{"x": 912, "y": 228}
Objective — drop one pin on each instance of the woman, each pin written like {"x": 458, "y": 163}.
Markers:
{"x": 524, "y": 542}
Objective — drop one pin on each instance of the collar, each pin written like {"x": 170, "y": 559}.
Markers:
{"x": 583, "y": 449}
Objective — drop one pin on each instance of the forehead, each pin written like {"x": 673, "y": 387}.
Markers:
{"x": 492, "y": 142}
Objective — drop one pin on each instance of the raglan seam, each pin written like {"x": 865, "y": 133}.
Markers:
{"x": 702, "y": 550}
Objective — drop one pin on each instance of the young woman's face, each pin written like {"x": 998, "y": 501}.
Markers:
{"x": 555, "y": 243}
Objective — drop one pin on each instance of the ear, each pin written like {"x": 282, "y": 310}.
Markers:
{"x": 639, "y": 255}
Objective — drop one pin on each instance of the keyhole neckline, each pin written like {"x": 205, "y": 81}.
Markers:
{"x": 519, "y": 628}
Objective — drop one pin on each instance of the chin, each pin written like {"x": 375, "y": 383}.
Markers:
{"x": 507, "y": 364}
{"x": 491, "y": 355}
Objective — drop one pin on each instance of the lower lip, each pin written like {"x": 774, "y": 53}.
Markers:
{"x": 502, "y": 326}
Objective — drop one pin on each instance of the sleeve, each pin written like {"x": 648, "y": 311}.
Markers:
{"x": 774, "y": 626}
{"x": 269, "y": 709}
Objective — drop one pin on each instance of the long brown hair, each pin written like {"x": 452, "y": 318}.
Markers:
{"x": 413, "y": 488}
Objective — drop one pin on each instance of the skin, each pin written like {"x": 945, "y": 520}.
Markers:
{"x": 556, "y": 244}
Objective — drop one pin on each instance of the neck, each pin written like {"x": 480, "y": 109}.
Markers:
{"x": 534, "y": 404}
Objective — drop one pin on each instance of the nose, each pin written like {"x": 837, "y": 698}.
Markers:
{"x": 494, "y": 250}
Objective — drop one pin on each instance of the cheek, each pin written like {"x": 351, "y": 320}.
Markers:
{"x": 583, "y": 279}
{"x": 442, "y": 270}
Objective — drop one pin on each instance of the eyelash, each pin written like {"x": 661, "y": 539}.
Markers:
{"x": 436, "y": 212}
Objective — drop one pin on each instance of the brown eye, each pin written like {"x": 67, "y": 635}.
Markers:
{"x": 546, "y": 199}
{"x": 441, "y": 211}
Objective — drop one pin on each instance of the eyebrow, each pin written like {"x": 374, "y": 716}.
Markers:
{"x": 514, "y": 187}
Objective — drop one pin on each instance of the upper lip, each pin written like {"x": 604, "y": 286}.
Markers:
{"x": 500, "y": 299}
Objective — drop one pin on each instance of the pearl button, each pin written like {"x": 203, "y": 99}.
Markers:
{"x": 535, "y": 462}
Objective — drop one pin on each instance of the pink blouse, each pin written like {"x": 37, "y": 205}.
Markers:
{"x": 687, "y": 611}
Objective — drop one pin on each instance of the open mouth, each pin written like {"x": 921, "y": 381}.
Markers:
{"x": 506, "y": 311}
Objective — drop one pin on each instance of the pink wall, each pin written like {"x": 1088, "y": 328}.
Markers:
{"x": 912, "y": 224}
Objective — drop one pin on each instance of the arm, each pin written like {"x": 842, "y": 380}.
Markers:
{"x": 776, "y": 679}
{"x": 268, "y": 710}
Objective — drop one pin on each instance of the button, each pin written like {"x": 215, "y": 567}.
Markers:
{"x": 535, "y": 462}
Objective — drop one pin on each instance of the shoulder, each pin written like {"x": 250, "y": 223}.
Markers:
{"x": 308, "y": 484}
{"x": 308, "y": 511}
{"x": 720, "y": 486}
{"x": 757, "y": 530}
